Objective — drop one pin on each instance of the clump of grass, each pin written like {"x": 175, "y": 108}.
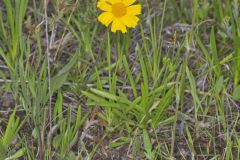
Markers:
{"x": 167, "y": 89}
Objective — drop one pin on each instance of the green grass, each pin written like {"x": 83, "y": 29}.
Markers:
{"x": 168, "y": 89}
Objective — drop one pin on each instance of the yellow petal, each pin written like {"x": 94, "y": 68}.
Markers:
{"x": 128, "y": 2}
{"x": 117, "y": 25}
{"x": 134, "y": 9}
{"x": 107, "y": 1}
{"x": 130, "y": 21}
{"x": 114, "y": 1}
{"x": 103, "y": 5}
{"x": 105, "y": 18}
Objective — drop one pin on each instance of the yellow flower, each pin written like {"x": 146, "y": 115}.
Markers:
{"x": 121, "y": 13}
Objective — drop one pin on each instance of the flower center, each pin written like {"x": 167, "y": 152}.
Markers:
{"x": 119, "y": 9}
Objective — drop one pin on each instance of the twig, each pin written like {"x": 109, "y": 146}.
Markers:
{"x": 49, "y": 72}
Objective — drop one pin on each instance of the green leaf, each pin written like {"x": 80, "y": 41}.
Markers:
{"x": 219, "y": 84}
{"x": 57, "y": 141}
{"x": 17, "y": 155}
{"x": 105, "y": 94}
{"x": 194, "y": 92}
{"x": 147, "y": 145}
{"x": 204, "y": 50}
{"x": 162, "y": 107}
{"x": 58, "y": 113}
{"x": 11, "y": 129}
{"x": 119, "y": 142}
{"x": 67, "y": 67}
{"x": 236, "y": 93}
{"x": 215, "y": 59}
{"x": 58, "y": 80}
{"x": 130, "y": 77}
{"x": 3, "y": 148}
{"x": 6, "y": 59}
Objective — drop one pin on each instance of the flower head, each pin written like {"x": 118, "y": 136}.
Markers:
{"x": 119, "y": 13}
